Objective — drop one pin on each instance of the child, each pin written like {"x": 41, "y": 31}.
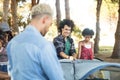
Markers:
{"x": 86, "y": 47}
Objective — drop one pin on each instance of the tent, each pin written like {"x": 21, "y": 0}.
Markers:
{"x": 81, "y": 69}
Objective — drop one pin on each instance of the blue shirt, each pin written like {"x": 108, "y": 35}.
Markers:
{"x": 32, "y": 57}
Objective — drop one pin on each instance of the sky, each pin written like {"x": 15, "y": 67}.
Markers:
{"x": 79, "y": 11}
{"x": 83, "y": 13}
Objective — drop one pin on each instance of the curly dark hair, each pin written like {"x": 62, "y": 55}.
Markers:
{"x": 4, "y": 33}
{"x": 67, "y": 22}
{"x": 2, "y": 39}
{"x": 10, "y": 36}
{"x": 87, "y": 31}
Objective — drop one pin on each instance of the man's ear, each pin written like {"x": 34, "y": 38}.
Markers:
{"x": 44, "y": 19}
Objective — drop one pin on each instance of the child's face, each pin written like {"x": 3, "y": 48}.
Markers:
{"x": 87, "y": 37}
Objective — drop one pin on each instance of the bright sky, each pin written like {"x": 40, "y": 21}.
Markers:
{"x": 83, "y": 13}
{"x": 79, "y": 11}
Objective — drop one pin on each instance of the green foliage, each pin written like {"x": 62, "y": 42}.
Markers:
{"x": 76, "y": 35}
{"x": 77, "y": 32}
{"x": 21, "y": 22}
{"x": 115, "y": 1}
{"x": 52, "y": 33}
{"x": 105, "y": 49}
{"x": 1, "y": 14}
{"x": 21, "y": 0}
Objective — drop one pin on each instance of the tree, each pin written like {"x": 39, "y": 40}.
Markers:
{"x": 67, "y": 9}
{"x": 5, "y": 10}
{"x": 97, "y": 37}
{"x": 116, "y": 49}
{"x": 58, "y": 13}
{"x": 14, "y": 21}
{"x": 34, "y": 2}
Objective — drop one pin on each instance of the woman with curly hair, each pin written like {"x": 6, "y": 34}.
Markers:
{"x": 63, "y": 43}
{"x": 86, "y": 47}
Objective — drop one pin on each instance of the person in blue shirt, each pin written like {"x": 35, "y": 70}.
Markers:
{"x": 30, "y": 55}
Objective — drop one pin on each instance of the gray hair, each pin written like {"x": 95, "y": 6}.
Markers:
{"x": 41, "y": 9}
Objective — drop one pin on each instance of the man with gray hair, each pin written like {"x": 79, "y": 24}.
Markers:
{"x": 30, "y": 55}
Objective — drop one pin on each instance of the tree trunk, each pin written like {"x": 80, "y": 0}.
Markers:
{"x": 116, "y": 49}
{"x": 14, "y": 16}
{"x": 5, "y": 10}
{"x": 58, "y": 13}
{"x": 67, "y": 9}
{"x": 97, "y": 37}
{"x": 34, "y": 2}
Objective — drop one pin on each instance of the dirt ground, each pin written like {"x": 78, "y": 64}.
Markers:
{"x": 106, "y": 57}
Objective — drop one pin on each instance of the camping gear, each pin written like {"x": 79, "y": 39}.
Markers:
{"x": 81, "y": 69}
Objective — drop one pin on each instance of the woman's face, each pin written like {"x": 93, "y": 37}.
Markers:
{"x": 66, "y": 31}
{"x": 87, "y": 38}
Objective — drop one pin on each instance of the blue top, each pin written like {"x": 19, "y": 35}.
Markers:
{"x": 32, "y": 57}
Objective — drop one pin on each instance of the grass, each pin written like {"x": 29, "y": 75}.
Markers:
{"x": 105, "y": 49}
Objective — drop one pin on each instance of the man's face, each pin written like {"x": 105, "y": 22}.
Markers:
{"x": 47, "y": 24}
{"x": 66, "y": 31}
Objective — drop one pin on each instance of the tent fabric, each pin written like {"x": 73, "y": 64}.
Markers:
{"x": 68, "y": 70}
{"x": 81, "y": 69}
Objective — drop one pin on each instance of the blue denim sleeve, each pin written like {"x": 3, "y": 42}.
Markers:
{"x": 50, "y": 63}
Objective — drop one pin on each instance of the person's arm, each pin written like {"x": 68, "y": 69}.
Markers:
{"x": 92, "y": 45}
{"x": 59, "y": 46}
{"x": 75, "y": 55}
{"x": 79, "y": 50}
{"x": 63, "y": 55}
{"x": 50, "y": 64}
{"x": 60, "y": 49}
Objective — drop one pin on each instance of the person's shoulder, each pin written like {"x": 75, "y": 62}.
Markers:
{"x": 59, "y": 37}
